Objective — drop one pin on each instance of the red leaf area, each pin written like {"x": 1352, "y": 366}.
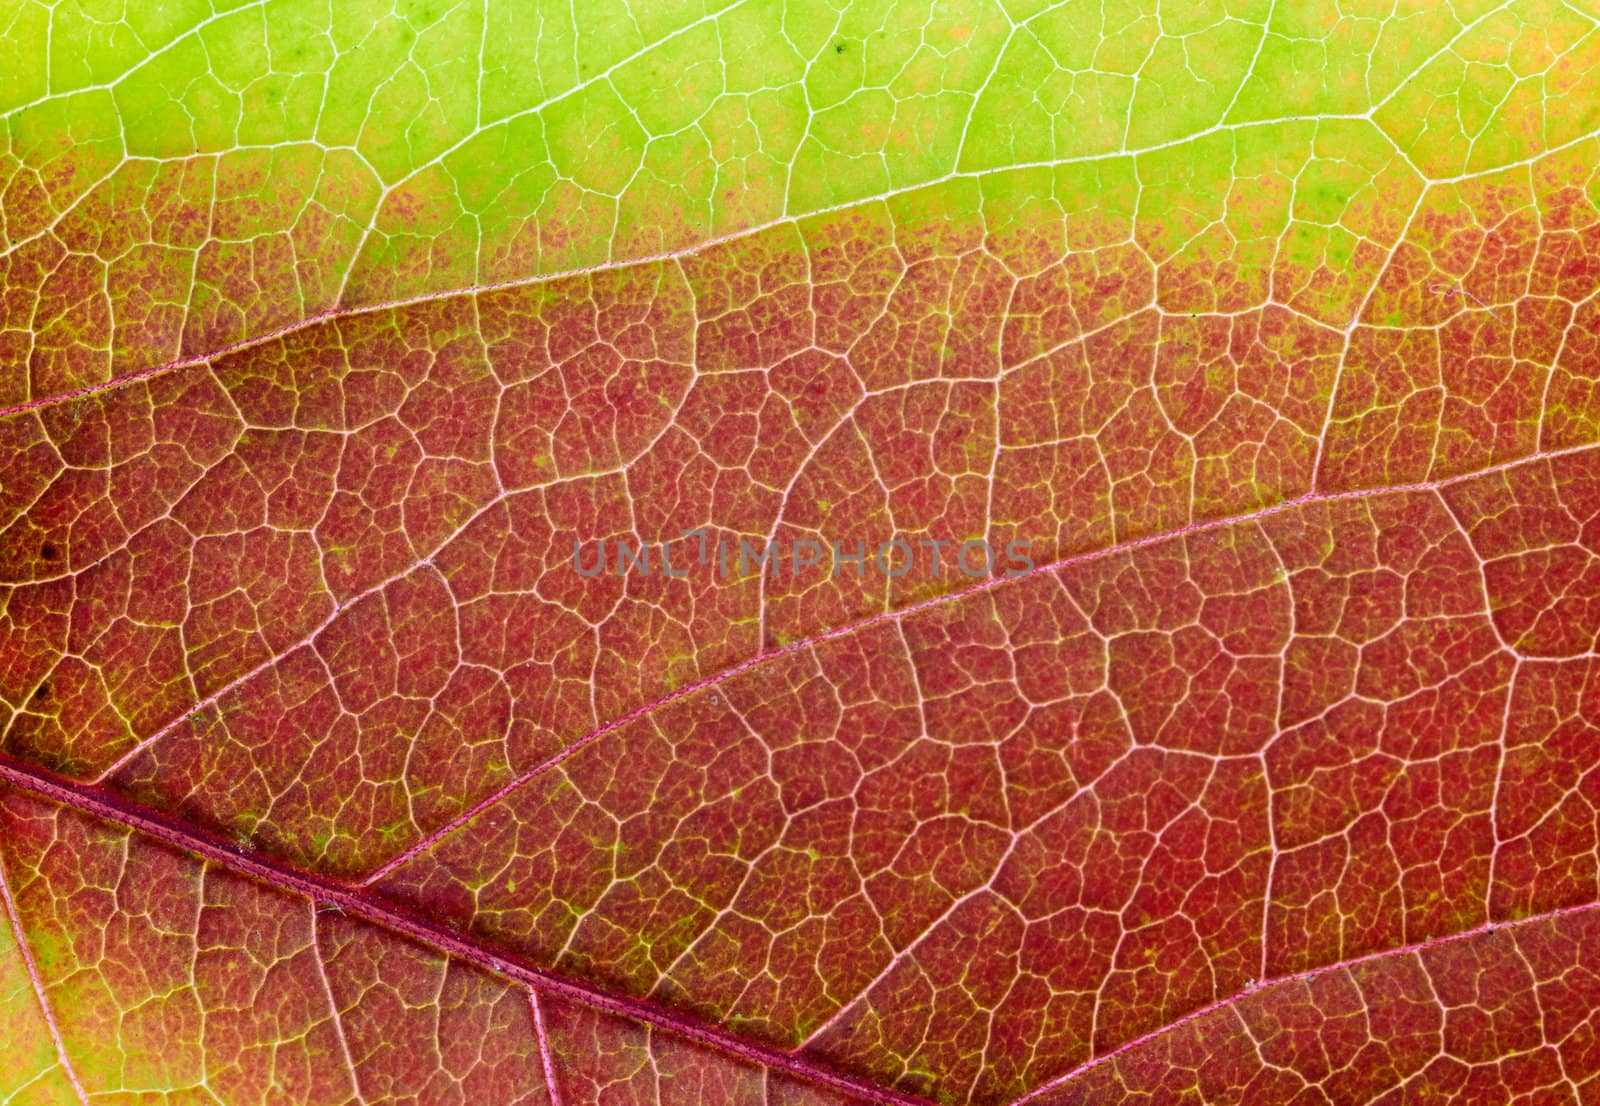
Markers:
{"x": 1275, "y": 782}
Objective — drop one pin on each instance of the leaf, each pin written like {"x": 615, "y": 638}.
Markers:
{"x": 1255, "y": 764}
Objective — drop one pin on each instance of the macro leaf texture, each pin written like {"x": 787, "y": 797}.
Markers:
{"x": 337, "y": 338}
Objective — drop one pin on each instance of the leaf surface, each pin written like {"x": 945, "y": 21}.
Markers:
{"x": 336, "y": 341}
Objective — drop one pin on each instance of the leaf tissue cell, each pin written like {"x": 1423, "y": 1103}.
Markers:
{"x": 1002, "y": 552}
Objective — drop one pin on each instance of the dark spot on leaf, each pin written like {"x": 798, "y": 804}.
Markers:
{"x": 43, "y": 692}
{"x": 47, "y": 552}
{"x": 838, "y": 48}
